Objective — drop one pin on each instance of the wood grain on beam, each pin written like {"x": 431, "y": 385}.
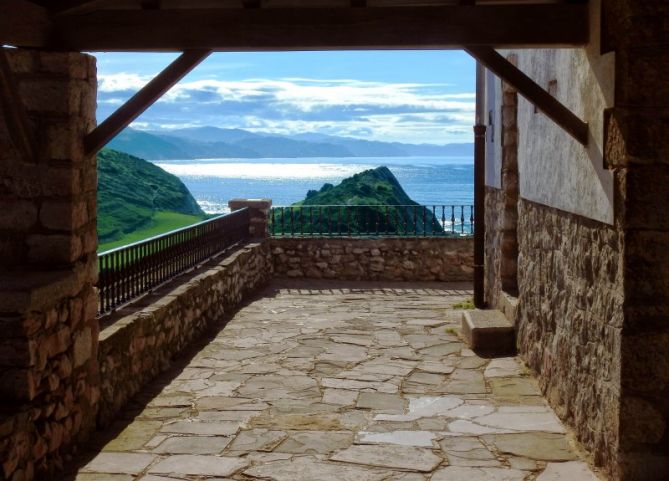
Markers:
{"x": 325, "y": 28}
{"x": 23, "y": 23}
{"x": 529, "y": 89}
{"x": 143, "y": 99}
{"x": 71, "y": 6}
{"x": 20, "y": 131}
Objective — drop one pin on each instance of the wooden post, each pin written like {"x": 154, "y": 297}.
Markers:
{"x": 479, "y": 192}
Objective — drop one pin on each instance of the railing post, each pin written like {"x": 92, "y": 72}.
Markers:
{"x": 258, "y": 211}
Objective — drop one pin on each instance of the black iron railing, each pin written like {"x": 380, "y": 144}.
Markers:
{"x": 372, "y": 220}
{"x": 130, "y": 271}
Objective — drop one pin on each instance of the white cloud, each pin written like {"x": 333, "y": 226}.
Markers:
{"x": 121, "y": 82}
{"x": 409, "y": 112}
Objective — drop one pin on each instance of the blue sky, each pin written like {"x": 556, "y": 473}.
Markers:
{"x": 404, "y": 96}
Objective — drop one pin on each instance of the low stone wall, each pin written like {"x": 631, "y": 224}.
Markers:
{"x": 390, "y": 259}
{"x": 570, "y": 318}
{"x": 138, "y": 346}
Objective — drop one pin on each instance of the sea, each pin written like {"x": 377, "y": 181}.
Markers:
{"x": 427, "y": 180}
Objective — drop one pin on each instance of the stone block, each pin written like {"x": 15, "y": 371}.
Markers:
{"x": 53, "y": 249}
{"x": 17, "y": 384}
{"x": 65, "y": 215}
{"x": 488, "y": 331}
{"x": 53, "y": 96}
{"x": 17, "y": 215}
{"x": 83, "y": 347}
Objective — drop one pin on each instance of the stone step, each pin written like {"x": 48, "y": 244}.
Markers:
{"x": 489, "y": 332}
{"x": 509, "y": 306}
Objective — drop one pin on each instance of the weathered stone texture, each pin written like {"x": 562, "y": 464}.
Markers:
{"x": 139, "y": 345}
{"x": 258, "y": 213}
{"x": 48, "y": 330}
{"x": 638, "y": 151}
{"x": 390, "y": 259}
{"x": 45, "y": 198}
{"x": 494, "y": 214}
{"x": 570, "y": 317}
{"x": 501, "y": 209}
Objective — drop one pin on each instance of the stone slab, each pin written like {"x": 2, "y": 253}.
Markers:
{"x": 395, "y": 457}
{"x": 119, "y": 463}
{"x": 488, "y": 331}
{"x": 191, "y": 465}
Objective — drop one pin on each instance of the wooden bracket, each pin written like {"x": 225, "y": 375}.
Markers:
{"x": 529, "y": 89}
{"x": 143, "y": 99}
{"x": 20, "y": 131}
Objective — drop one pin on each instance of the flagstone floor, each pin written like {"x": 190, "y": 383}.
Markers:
{"x": 347, "y": 382}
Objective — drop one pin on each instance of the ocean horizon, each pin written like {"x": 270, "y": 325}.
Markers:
{"x": 427, "y": 180}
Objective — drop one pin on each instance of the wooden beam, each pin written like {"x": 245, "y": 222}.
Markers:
{"x": 64, "y": 7}
{"x": 24, "y": 23}
{"x": 529, "y": 89}
{"x": 251, "y": 3}
{"x": 420, "y": 27}
{"x": 143, "y": 99}
{"x": 20, "y": 131}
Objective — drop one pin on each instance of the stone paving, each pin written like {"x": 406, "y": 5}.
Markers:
{"x": 347, "y": 382}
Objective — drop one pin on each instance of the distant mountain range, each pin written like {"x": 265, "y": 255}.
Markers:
{"x": 213, "y": 142}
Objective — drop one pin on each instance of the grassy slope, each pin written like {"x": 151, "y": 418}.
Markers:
{"x": 160, "y": 223}
{"x": 135, "y": 195}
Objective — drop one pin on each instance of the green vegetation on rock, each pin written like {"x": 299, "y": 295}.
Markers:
{"x": 372, "y": 191}
{"x": 135, "y": 195}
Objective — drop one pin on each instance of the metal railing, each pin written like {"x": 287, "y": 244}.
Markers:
{"x": 127, "y": 272}
{"x": 372, "y": 220}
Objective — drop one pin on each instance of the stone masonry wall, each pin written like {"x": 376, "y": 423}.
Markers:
{"x": 501, "y": 208}
{"x": 569, "y": 319}
{"x": 494, "y": 216}
{"x": 48, "y": 330}
{"x": 388, "y": 259}
{"x": 637, "y": 150}
{"x": 138, "y": 346}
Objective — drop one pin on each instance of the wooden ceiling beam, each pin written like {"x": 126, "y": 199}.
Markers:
{"x": 516, "y": 26}
{"x": 24, "y": 23}
{"x": 529, "y": 89}
{"x": 143, "y": 99}
{"x": 65, "y": 7}
{"x": 20, "y": 131}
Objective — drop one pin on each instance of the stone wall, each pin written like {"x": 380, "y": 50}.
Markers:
{"x": 637, "y": 151}
{"x": 494, "y": 216}
{"x": 139, "y": 345}
{"x": 501, "y": 207}
{"x": 388, "y": 259}
{"x": 569, "y": 319}
{"x": 48, "y": 330}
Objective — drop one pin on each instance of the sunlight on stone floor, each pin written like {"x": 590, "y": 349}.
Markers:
{"x": 346, "y": 382}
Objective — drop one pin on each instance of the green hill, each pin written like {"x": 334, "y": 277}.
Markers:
{"x": 133, "y": 194}
{"x": 373, "y": 191}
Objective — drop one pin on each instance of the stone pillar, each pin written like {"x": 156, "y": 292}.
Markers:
{"x": 48, "y": 327}
{"x": 259, "y": 210}
{"x": 509, "y": 234}
{"x": 637, "y": 149}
